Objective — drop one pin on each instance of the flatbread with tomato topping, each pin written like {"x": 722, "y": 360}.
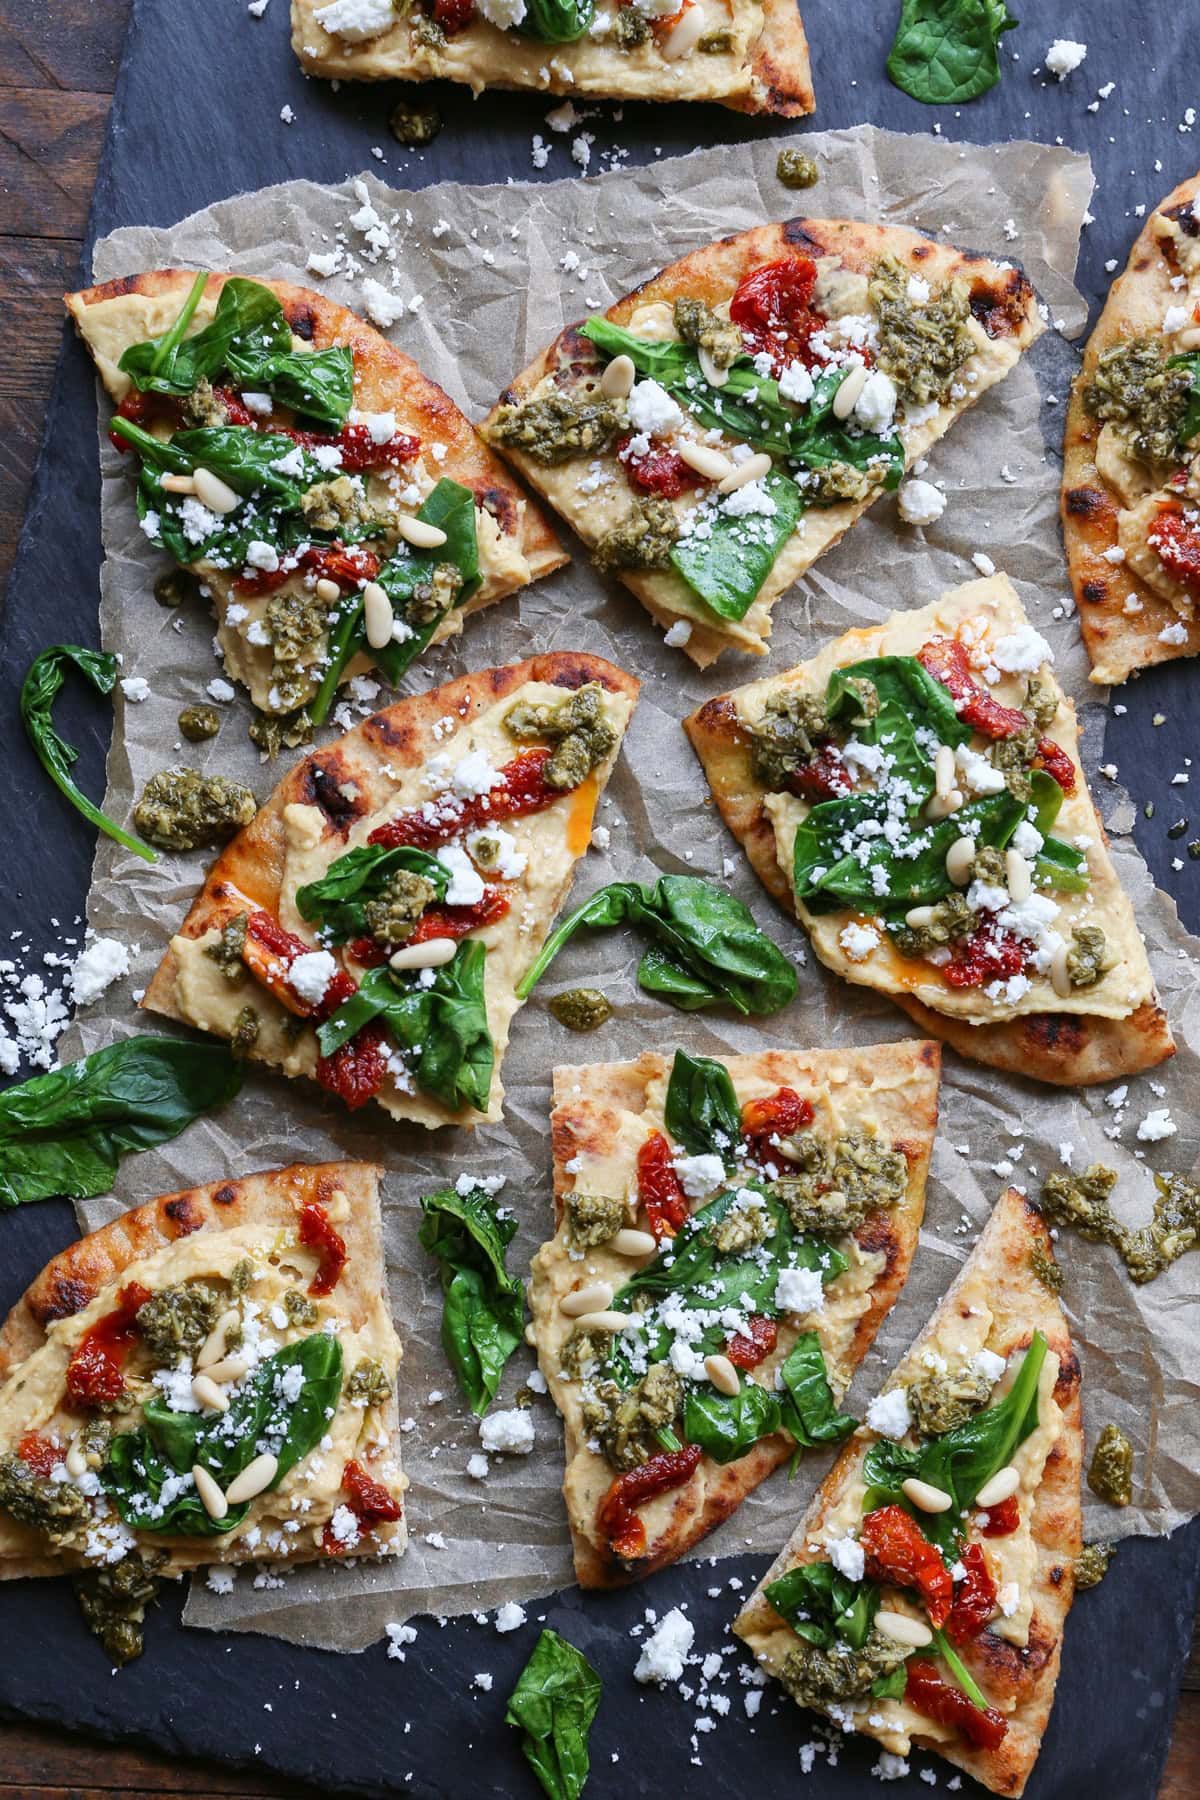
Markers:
{"x": 751, "y": 55}
{"x": 287, "y": 455}
{"x": 942, "y": 1630}
{"x": 368, "y": 928}
{"x": 915, "y": 795}
{"x": 720, "y": 427}
{"x": 1131, "y": 454}
{"x": 728, "y": 1239}
{"x": 209, "y": 1379}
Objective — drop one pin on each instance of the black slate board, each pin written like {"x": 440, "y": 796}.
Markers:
{"x": 196, "y": 118}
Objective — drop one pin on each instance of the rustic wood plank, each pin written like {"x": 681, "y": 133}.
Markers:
{"x": 1181, "y": 1777}
{"x": 37, "y": 1761}
{"x": 72, "y": 45}
{"x": 49, "y": 147}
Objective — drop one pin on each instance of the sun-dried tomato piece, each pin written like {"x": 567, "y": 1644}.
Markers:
{"x": 746, "y": 1349}
{"x": 658, "y": 471}
{"x": 988, "y": 954}
{"x": 773, "y": 306}
{"x": 660, "y": 1190}
{"x": 947, "y": 661}
{"x": 356, "y": 1070}
{"x": 456, "y": 921}
{"x": 264, "y": 932}
{"x": 317, "y": 1233}
{"x": 616, "y": 1515}
{"x": 826, "y": 777}
{"x": 453, "y": 15}
{"x": 369, "y": 1501}
{"x": 95, "y": 1374}
{"x": 41, "y": 1454}
{"x": 521, "y": 789}
{"x": 349, "y": 566}
{"x": 1000, "y": 1520}
{"x": 235, "y": 412}
{"x": 974, "y": 1598}
{"x": 897, "y": 1551}
{"x": 927, "y": 1693}
{"x": 773, "y": 1117}
{"x": 368, "y": 951}
{"x": 1175, "y": 540}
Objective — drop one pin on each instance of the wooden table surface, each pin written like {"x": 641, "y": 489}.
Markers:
{"x": 57, "y": 69}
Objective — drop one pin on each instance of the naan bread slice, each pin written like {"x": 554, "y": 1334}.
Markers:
{"x": 603, "y": 1115}
{"x": 1097, "y": 1033}
{"x": 426, "y": 751}
{"x": 995, "y": 1305}
{"x": 516, "y": 546}
{"x": 1133, "y": 611}
{"x": 751, "y": 55}
{"x": 201, "y": 1235}
{"x": 593, "y": 490}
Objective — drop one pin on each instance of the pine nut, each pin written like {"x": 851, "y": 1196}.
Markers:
{"x": 903, "y": 1630}
{"x": 704, "y": 459}
{"x": 256, "y": 1476}
{"x": 214, "y": 493}
{"x": 230, "y": 1368}
{"x": 178, "y": 484}
{"x": 1189, "y": 339}
{"x": 618, "y": 378}
{"x": 328, "y": 591}
{"x": 1002, "y": 1486}
{"x": 213, "y": 1347}
{"x": 930, "y": 1499}
{"x": 943, "y": 770}
{"x": 754, "y": 467}
{"x": 960, "y": 860}
{"x": 846, "y": 398}
{"x": 592, "y": 1298}
{"x": 723, "y": 1375}
{"x": 76, "y": 1461}
{"x": 686, "y": 35}
{"x": 1060, "y": 975}
{"x": 634, "y": 1243}
{"x": 211, "y": 1498}
{"x": 715, "y": 376}
{"x": 1018, "y": 874}
{"x": 208, "y": 1394}
{"x": 605, "y": 1321}
{"x": 918, "y": 917}
{"x": 377, "y": 616}
{"x": 942, "y": 805}
{"x": 428, "y": 955}
{"x": 420, "y": 533}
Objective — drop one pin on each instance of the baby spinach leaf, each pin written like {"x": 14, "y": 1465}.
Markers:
{"x": 702, "y": 1111}
{"x": 40, "y": 689}
{"x": 908, "y": 685}
{"x": 241, "y": 456}
{"x": 553, "y": 1705}
{"x": 557, "y": 21}
{"x": 727, "y": 1426}
{"x": 483, "y": 1308}
{"x": 807, "y": 1408}
{"x": 959, "y": 1670}
{"x": 946, "y": 51}
{"x": 317, "y": 383}
{"x": 1189, "y": 425}
{"x": 161, "y": 364}
{"x": 659, "y": 973}
{"x": 891, "y": 1687}
{"x": 337, "y": 902}
{"x": 822, "y": 872}
{"x": 818, "y": 439}
{"x": 726, "y": 558}
{"x": 821, "y": 1604}
{"x": 64, "y": 1133}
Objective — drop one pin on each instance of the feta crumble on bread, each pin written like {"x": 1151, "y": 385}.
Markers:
{"x": 652, "y": 410}
{"x": 466, "y": 884}
{"x": 700, "y": 1175}
{"x": 799, "y": 1291}
{"x": 848, "y": 1557}
{"x": 309, "y": 975}
{"x": 858, "y": 941}
{"x": 888, "y": 1414}
{"x": 356, "y": 21}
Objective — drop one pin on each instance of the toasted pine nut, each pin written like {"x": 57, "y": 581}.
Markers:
{"x": 618, "y": 378}
{"x": 327, "y": 590}
{"x": 754, "y": 467}
{"x": 941, "y": 806}
{"x": 206, "y": 1391}
{"x": 256, "y": 1476}
{"x": 213, "y": 1347}
{"x": 178, "y": 484}
{"x": 377, "y": 616}
{"x": 420, "y": 533}
{"x": 230, "y": 1368}
{"x": 918, "y": 917}
{"x": 1018, "y": 875}
{"x": 1060, "y": 976}
{"x": 605, "y": 1321}
{"x": 1002, "y": 1486}
{"x": 76, "y": 1461}
{"x": 930, "y": 1499}
{"x": 960, "y": 860}
{"x": 592, "y": 1298}
{"x": 634, "y": 1243}
{"x": 428, "y": 955}
{"x": 1189, "y": 339}
{"x": 211, "y": 1498}
{"x": 704, "y": 459}
{"x": 686, "y": 35}
{"x": 943, "y": 770}
{"x": 214, "y": 493}
{"x": 852, "y": 385}
{"x": 712, "y": 373}
{"x": 722, "y": 1374}
{"x": 902, "y": 1629}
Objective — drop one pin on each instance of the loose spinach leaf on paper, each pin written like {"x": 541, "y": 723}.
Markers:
{"x": 64, "y": 1133}
{"x": 807, "y": 1406}
{"x": 701, "y": 1110}
{"x": 701, "y": 930}
{"x": 40, "y": 689}
{"x": 727, "y": 1426}
{"x": 557, "y": 21}
{"x": 483, "y": 1309}
{"x": 338, "y": 901}
{"x": 171, "y": 1443}
{"x": 947, "y": 51}
{"x": 726, "y": 562}
{"x": 553, "y": 1705}
{"x": 821, "y": 1604}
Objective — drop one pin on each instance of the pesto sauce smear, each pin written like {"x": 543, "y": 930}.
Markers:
{"x": 1082, "y": 1202}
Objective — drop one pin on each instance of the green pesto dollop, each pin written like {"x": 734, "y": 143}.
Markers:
{"x": 204, "y": 407}
{"x": 577, "y": 727}
{"x": 741, "y": 1229}
{"x": 1088, "y": 958}
{"x": 796, "y": 170}
{"x": 581, "y": 1009}
{"x": 830, "y": 483}
{"x": 55, "y": 1509}
{"x": 299, "y": 1308}
{"x": 428, "y": 32}
{"x": 176, "y": 587}
{"x": 180, "y": 809}
{"x": 941, "y": 1402}
{"x": 1040, "y": 705}
{"x": 922, "y": 348}
{"x": 273, "y": 732}
{"x": 1110, "y": 1472}
{"x": 631, "y": 28}
{"x": 369, "y": 1382}
{"x": 699, "y": 325}
{"x": 947, "y": 921}
{"x": 226, "y": 952}
{"x": 559, "y": 425}
{"x": 339, "y": 505}
{"x": 246, "y": 1026}
{"x": 1135, "y": 389}
{"x": 113, "y": 1601}
{"x": 416, "y": 123}
{"x": 593, "y": 1218}
{"x": 392, "y": 916}
{"x": 626, "y": 1421}
{"x": 814, "y": 1675}
{"x": 784, "y": 737}
{"x": 1082, "y": 1202}
{"x": 642, "y": 540}
{"x": 1045, "y": 1269}
{"x": 1091, "y": 1565}
{"x": 296, "y": 625}
{"x": 199, "y": 722}
{"x": 175, "y": 1322}
{"x": 583, "y": 1351}
{"x": 835, "y": 1185}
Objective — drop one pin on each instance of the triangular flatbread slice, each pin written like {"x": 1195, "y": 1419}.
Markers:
{"x": 273, "y": 1283}
{"x": 796, "y": 1227}
{"x": 282, "y": 578}
{"x": 826, "y": 355}
{"x": 1038, "y": 969}
{"x": 442, "y": 835}
{"x": 755, "y": 61}
{"x": 1130, "y": 512}
{"x": 1013, "y": 1568}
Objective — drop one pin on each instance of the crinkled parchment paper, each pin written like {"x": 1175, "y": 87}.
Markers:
{"x": 510, "y": 267}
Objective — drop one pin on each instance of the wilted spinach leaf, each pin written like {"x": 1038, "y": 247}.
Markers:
{"x": 947, "y": 51}
{"x": 483, "y": 1309}
{"x": 553, "y": 1705}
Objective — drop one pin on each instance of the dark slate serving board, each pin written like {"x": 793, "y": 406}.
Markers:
{"x": 196, "y": 117}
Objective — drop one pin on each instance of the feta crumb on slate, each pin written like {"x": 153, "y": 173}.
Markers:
{"x": 483, "y": 1681}
{"x": 96, "y": 968}
{"x": 510, "y": 1616}
{"x": 507, "y": 1433}
{"x": 888, "y": 1414}
{"x": 665, "y": 1652}
{"x": 1064, "y": 55}
{"x": 398, "y": 1637}
{"x": 921, "y": 503}
{"x": 135, "y": 688}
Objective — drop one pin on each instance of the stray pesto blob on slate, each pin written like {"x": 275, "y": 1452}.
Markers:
{"x": 1110, "y": 1472}
{"x": 1091, "y": 1565}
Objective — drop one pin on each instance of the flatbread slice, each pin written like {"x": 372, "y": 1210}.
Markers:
{"x": 273, "y": 1282}
{"x": 804, "y": 1281}
{"x": 751, "y": 55}
{"x": 358, "y": 485}
{"x": 1131, "y": 454}
{"x": 1038, "y": 969}
{"x": 821, "y": 317}
{"x": 969, "y": 1356}
{"x": 464, "y": 810}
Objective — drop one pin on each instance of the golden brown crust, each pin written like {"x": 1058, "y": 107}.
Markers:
{"x": 1020, "y": 1305}
{"x": 904, "y": 1078}
{"x": 781, "y": 72}
{"x": 1118, "y": 642}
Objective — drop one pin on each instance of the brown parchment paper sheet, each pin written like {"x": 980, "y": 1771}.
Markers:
{"x": 483, "y": 316}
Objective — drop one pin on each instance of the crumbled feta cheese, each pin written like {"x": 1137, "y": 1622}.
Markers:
{"x": 398, "y": 1637}
{"x": 477, "y": 1467}
{"x": 651, "y": 409}
{"x": 799, "y": 1291}
{"x": 1175, "y": 318}
{"x": 309, "y": 975}
{"x": 381, "y": 307}
{"x": 219, "y": 689}
{"x": 875, "y": 408}
{"x": 665, "y": 1652}
{"x": 1022, "y": 652}
{"x": 96, "y": 968}
{"x": 1063, "y": 56}
{"x": 135, "y": 688}
{"x": 989, "y": 1365}
{"x": 858, "y": 941}
{"x": 888, "y": 1414}
{"x": 678, "y": 634}
{"x": 700, "y": 1175}
{"x": 474, "y": 775}
{"x": 466, "y": 884}
{"x": 1157, "y": 1125}
{"x": 356, "y": 21}
{"x": 503, "y": 14}
{"x": 510, "y": 1617}
{"x": 848, "y": 1558}
{"x": 921, "y": 503}
{"x": 507, "y": 1433}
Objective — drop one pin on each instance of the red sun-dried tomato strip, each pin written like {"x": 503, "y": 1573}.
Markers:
{"x": 349, "y": 566}
{"x": 369, "y": 1501}
{"x": 356, "y": 1069}
{"x": 266, "y": 930}
{"x": 947, "y": 661}
{"x": 988, "y": 954}
{"x": 453, "y": 15}
{"x": 41, "y": 1454}
{"x": 616, "y": 1517}
{"x": 927, "y": 1693}
{"x": 660, "y": 1190}
{"x": 773, "y": 306}
{"x": 775, "y": 1116}
{"x": 1175, "y": 540}
{"x": 317, "y": 1233}
{"x": 746, "y": 1349}
{"x": 897, "y": 1551}
{"x": 974, "y": 1598}
{"x": 95, "y": 1373}
{"x": 520, "y": 790}
{"x": 826, "y": 777}
{"x": 1000, "y": 1520}
{"x": 662, "y": 472}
